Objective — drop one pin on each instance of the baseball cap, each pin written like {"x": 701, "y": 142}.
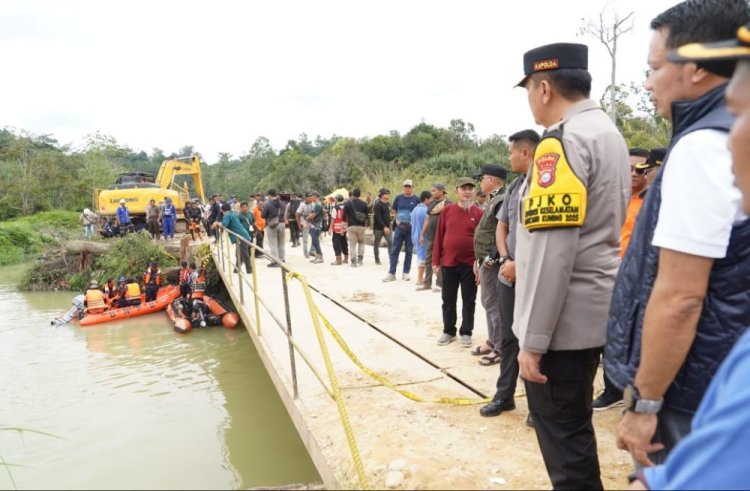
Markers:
{"x": 383, "y": 191}
{"x": 555, "y": 56}
{"x": 122, "y": 278}
{"x": 339, "y": 197}
{"x": 408, "y": 182}
{"x": 465, "y": 181}
{"x": 439, "y": 185}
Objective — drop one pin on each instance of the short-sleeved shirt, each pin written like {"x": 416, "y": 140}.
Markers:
{"x": 404, "y": 206}
{"x": 508, "y": 213}
{"x": 350, "y": 208}
{"x": 303, "y": 209}
{"x": 317, "y": 209}
{"x": 703, "y": 202}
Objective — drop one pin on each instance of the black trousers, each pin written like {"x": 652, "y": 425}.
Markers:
{"x": 561, "y": 410}
{"x": 259, "y": 242}
{"x": 151, "y": 291}
{"x": 508, "y": 350}
{"x": 454, "y": 277}
{"x": 244, "y": 251}
{"x": 340, "y": 244}
{"x": 294, "y": 232}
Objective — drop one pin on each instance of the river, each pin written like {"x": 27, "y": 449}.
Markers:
{"x": 133, "y": 405}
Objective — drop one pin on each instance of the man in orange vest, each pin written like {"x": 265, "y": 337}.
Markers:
{"x": 94, "y": 299}
{"x": 639, "y": 169}
{"x": 152, "y": 281}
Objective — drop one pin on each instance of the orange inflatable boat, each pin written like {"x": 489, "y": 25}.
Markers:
{"x": 164, "y": 297}
{"x": 219, "y": 315}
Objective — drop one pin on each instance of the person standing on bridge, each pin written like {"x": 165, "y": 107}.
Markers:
{"x": 573, "y": 207}
{"x": 454, "y": 256}
{"x": 273, "y": 214}
{"x": 403, "y": 205}
{"x": 492, "y": 182}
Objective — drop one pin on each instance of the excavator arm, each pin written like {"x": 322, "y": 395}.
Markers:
{"x": 179, "y": 167}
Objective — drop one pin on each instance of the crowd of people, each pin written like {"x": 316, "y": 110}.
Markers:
{"x": 593, "y": 251}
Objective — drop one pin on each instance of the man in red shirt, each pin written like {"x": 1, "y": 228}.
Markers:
{"x": 453, "y": 256}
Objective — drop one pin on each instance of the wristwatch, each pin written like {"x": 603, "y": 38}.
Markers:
{"x": 634, "y": 403}
{"x": 502, "y": 260}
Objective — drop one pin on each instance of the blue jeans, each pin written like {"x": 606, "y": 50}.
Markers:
{"x": 400, "y": 237}
{"x": 89, "y": 230}
{"x": 315, "y": 234}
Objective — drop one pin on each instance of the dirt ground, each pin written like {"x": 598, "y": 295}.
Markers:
{"x": 435, "y": 446}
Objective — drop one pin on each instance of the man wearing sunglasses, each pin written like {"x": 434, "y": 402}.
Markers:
{"x": 639, "y": 169}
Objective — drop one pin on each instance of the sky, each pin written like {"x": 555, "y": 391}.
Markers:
{"x": 219, "y": 74}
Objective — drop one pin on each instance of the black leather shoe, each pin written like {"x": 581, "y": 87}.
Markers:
{"x": 497, "y": 407}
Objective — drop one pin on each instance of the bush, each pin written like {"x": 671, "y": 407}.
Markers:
{"x": 25, "y": 238}
{"x": 129, "y": 257}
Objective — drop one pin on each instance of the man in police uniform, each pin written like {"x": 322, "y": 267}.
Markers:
{"x": 572, "y": 208}
{"x": 492, "y": 181}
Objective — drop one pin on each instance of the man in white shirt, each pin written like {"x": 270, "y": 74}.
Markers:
{"x": 675, "y": 311}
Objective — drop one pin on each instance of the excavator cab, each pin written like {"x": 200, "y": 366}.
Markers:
{"x": 130, "y": 180}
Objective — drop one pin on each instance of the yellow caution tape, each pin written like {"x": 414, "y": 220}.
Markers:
{"x": 334, "y": 385}
{"x": 370, "y": 373}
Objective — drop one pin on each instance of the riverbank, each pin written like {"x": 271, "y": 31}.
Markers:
{"x": 26, "y": 238}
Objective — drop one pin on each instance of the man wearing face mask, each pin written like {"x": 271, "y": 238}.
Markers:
{"x": 453, "y": 254}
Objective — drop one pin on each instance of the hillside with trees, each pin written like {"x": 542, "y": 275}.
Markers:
{"x": 38, "y": 174}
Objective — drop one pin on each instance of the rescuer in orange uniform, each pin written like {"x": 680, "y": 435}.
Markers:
{"x": 152, "y": 281}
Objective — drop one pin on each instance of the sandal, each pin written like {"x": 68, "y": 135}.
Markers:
{"x": 489, "y": 360}
{"x": 478, "y": 351}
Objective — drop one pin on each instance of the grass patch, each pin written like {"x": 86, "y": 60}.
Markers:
{"x": 26, "y": 238}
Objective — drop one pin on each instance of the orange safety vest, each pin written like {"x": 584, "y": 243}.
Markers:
{"x": 95, "y": 301}
{"x": 199, "y": 289}
{"x": 134, "y": 292}
{"x": 147, "y": 277}
{"x": 185, "y": 276}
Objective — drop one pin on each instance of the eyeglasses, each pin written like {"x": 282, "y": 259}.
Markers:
{"x": 638, "y": 171}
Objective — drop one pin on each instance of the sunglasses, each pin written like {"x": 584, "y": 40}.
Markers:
{"x": 638, "y": 172}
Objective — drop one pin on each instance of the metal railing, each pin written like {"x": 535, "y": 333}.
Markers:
{"x": 232, "y": 267}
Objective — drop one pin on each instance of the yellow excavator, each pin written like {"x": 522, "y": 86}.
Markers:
{"x": 138, "y": 188}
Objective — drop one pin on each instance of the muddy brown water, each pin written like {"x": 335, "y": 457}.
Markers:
{"x": 133, "y": 405}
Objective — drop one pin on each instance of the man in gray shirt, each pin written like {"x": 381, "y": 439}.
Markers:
{"x": 522, "y": 145}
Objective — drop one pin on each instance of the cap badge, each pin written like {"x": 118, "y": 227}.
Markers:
{"x": 552, "y": 64}
{"x": 545, "y": 166}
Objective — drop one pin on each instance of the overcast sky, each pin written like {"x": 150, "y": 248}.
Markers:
{"x": 218, "y": 74}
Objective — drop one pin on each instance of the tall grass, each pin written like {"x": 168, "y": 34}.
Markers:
{"x": 25, "y": 238}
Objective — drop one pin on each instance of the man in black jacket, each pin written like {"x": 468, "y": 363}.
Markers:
{"x": 355, "y": 213}
{"x": 381, "y": 224}
{"x": 273, "y": 214}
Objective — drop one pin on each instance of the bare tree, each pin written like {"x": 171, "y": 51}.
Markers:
{"x": 608, "y": 31}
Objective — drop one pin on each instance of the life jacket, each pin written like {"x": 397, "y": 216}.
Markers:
{"x": 199, "y": 287}
{"x": 150, "y": 280}
{"x": 338, "y": 222}
{"x": 95, "y": 303}
{"x": 185, "y": 276}
{"x": 133, "y": 292}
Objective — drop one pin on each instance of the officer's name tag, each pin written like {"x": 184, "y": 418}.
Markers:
{"x": 554, "y": 209}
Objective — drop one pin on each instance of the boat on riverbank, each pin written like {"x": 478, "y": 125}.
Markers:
{"x": 164, "y": 297}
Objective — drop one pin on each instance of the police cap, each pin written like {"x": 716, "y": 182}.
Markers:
{"x": 554, "y": 57}
{"x": 492, "y": 170}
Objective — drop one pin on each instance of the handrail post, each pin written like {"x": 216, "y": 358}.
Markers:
{"x": 289, "y": 331}
{"x": 240, "y": 245}
{"x": 229, "y": 256}
{"x": 255, "y": 287}
{"x": 220, "y": 238}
